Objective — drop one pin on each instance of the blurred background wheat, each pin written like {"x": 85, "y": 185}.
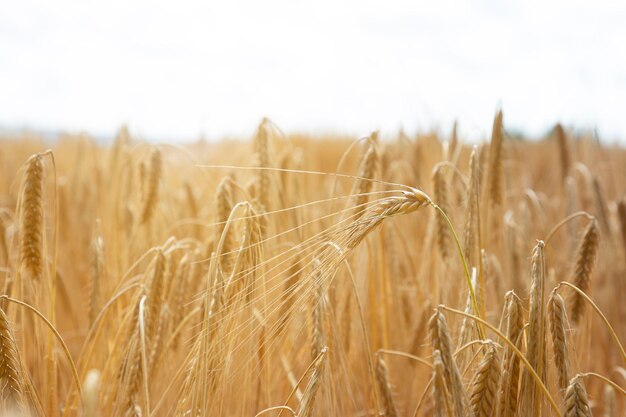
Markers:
{"x": 317, "y": 275}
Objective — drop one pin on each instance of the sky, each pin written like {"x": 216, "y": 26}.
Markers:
{"x": 176, "y": 70}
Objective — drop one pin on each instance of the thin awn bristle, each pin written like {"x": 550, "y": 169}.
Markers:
{"x": 317, "y": 313}
{"x": 585, "y": 260}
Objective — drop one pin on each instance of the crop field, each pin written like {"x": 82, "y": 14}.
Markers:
{"x": 284, "y": 275}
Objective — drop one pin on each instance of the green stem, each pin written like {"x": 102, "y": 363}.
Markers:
{"x": 465, "y": 267}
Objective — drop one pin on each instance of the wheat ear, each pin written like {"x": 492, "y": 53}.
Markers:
{"x": 152, "y": 192}
{"x": 576, "y": 402}
{"x": 261, "y": 150}
{"x": 97, "y": 275}
{"x": 564, "y": 151}
{"x": 382, "y": 378}
{"x": 31, "y": 220}
{"x": 585, "y": 260}
{"x": 471, "y": 219}
{"x": 367, "y": 170}
{"x": 530, "y": 401}
{"x": 484, "y": 396}
{"x": 443, "y": 406}
{"x": 558, "y": 326}
{"x": 442, "y": 199}
{"x": 441, "y": 341}
{"x": 11, "y": 376}
{"x": 308, "y": 397}
{"x": 621, "y": 213}
{"x": 510, "y": 382}
{"x": 495, "y": 161}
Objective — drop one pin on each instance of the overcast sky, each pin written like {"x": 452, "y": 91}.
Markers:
{"x": 175, "y": 69}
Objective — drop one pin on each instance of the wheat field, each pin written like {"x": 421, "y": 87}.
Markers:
{"x": 286, "y": 275}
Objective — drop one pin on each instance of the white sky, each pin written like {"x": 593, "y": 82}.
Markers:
{"x": 172, "y": 70}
